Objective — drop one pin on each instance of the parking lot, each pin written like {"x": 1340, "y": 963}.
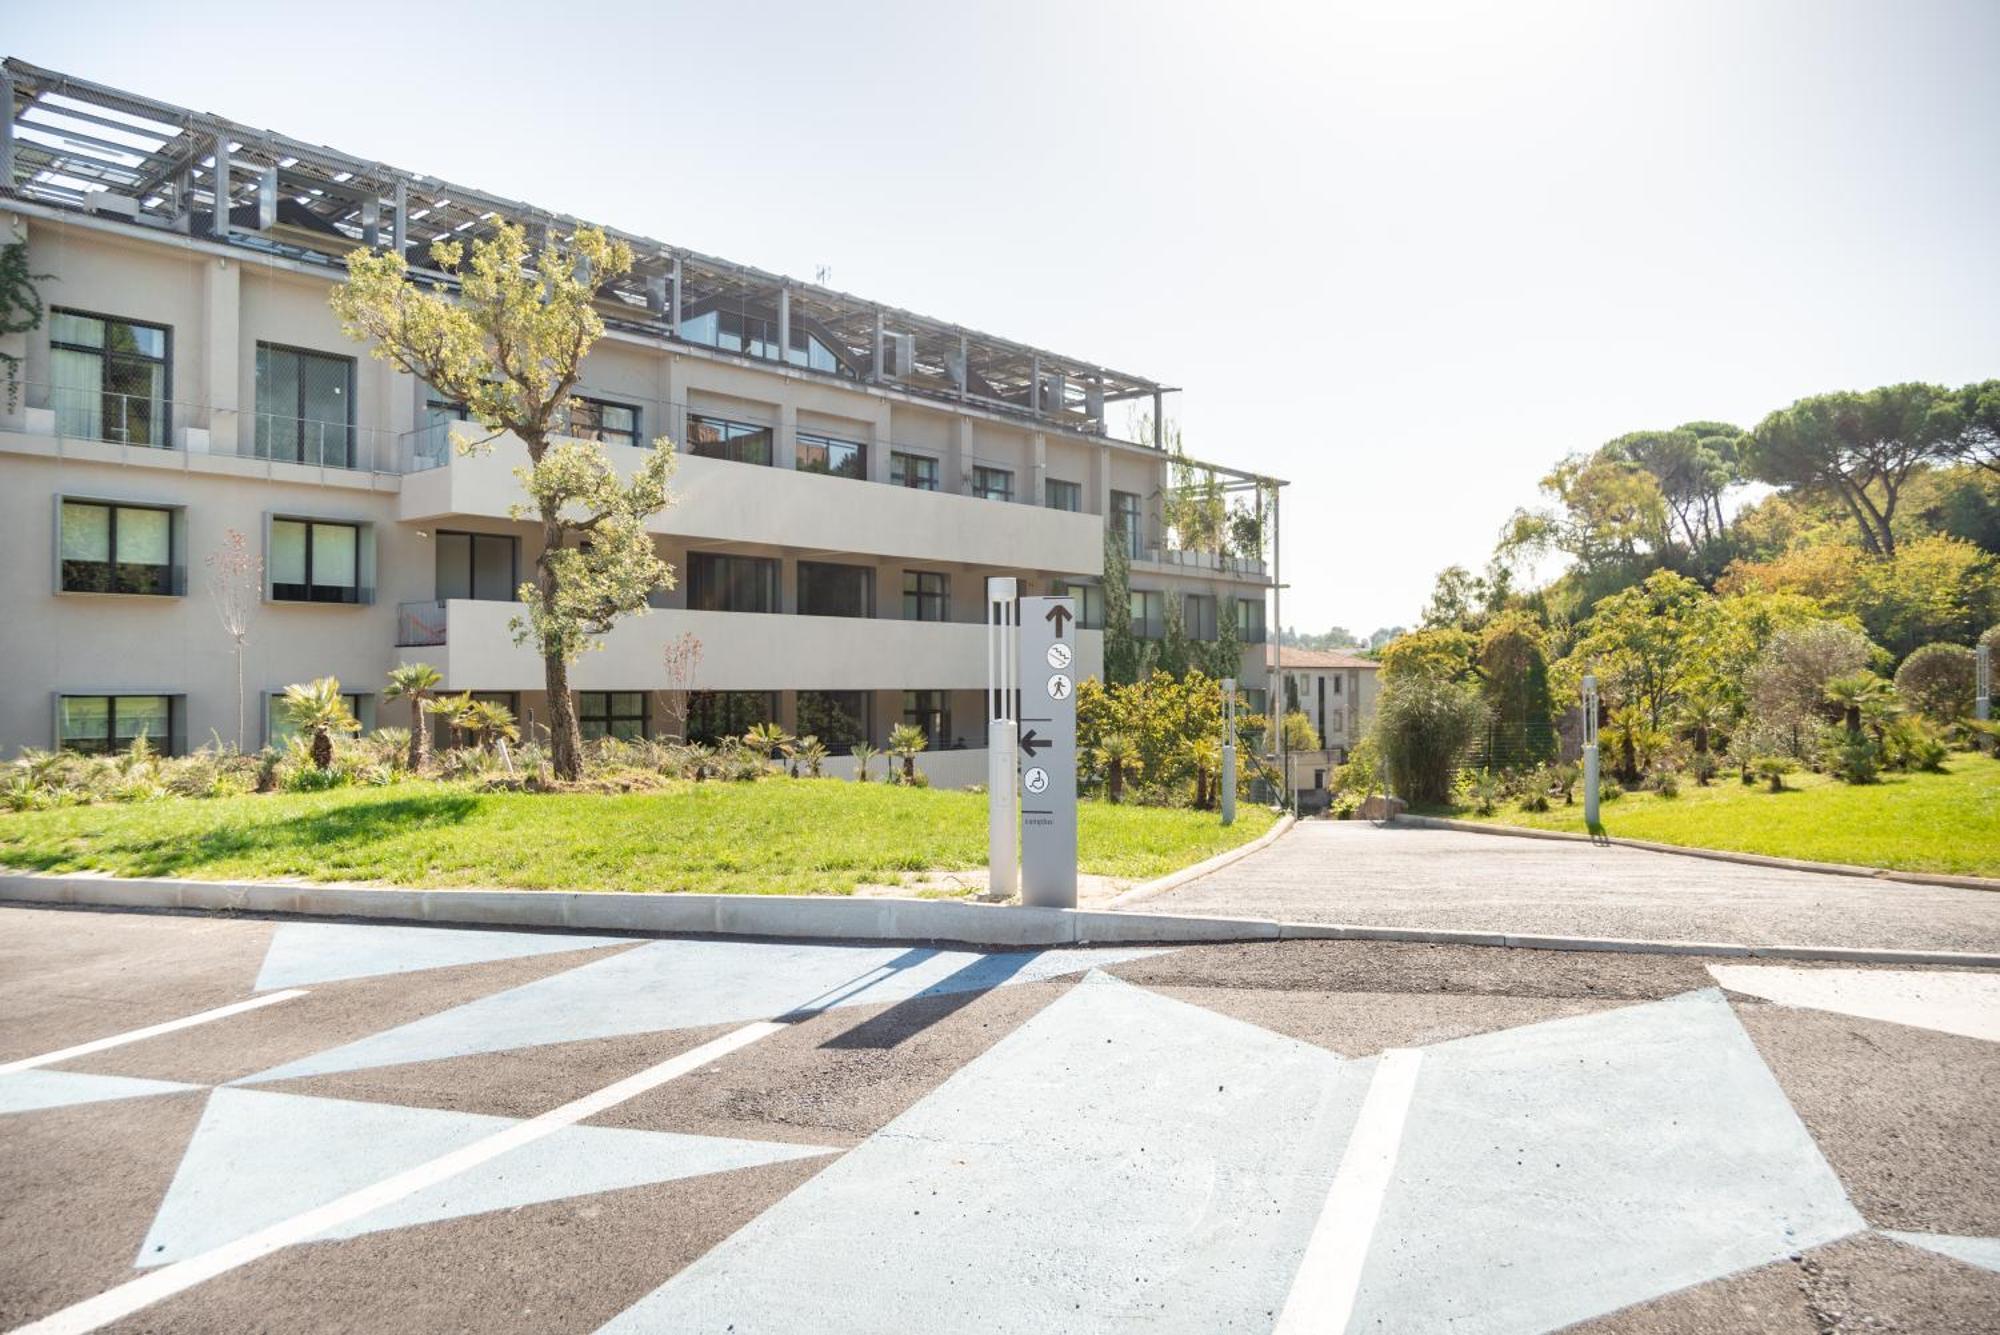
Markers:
{"x": 394, "y": 1128}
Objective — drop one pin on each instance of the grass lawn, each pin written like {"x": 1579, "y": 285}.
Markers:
{"x": 1946, "y": 822}
{"x": 777, "y": 837}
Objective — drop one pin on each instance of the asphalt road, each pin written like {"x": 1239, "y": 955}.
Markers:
{"x": 419, "y": 1129}
{"x": 1404, "y": 876}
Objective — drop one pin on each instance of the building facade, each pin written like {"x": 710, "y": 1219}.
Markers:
{"x": 1336, "y": 692}
{"x": 849, "y": 475}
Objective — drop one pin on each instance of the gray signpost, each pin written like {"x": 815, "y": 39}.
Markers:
{"x": 1048, "y": 752}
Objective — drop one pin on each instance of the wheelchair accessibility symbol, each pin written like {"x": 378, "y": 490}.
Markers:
{"x": 1036, "y": 780}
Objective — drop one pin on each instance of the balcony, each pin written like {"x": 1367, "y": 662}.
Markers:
{"x": 721, "y": 501}
{"x": 471, "y": 644}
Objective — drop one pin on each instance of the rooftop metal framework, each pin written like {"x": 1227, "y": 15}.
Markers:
{"x": 69, "y": 143}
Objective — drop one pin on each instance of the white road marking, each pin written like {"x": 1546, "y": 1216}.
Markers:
{"x": 116, "y": 1304}
{"x": 1322, "y": 1297}
{"x": 150, "y": 1031}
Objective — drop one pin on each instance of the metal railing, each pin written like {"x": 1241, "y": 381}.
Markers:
{"x": 151, "y": 421}
{"x": 421, "y": 624}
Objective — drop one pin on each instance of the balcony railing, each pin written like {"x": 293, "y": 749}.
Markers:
{"x": 152, "y": 421}
{"x": 420, "y": 625}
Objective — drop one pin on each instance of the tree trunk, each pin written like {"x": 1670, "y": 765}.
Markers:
{"x": 565, "y": 737}
{"x": 239, "y": 697}
{"x": 1115, "y": 782}
{"x": 420, "y": 737}
{"x": 322, "y": 749}
{"x": 909, "y": 769}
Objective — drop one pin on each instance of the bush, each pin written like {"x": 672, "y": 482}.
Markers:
{"x": 1773, "y": 769}
{"x": 1853, "y": 757}
{"x": 1423, "y": 725}
{"x": 1609, "y": 791}
{"x": 1704, "y": 766}
{"x": 1938, "y": 681}
{"x": 1484, "y": 792}
{"x": 1665, "y": 782}
{"x": 1914, "y": 743}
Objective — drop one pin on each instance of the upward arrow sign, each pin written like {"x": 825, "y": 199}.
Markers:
{"x": 1059, "y": 614}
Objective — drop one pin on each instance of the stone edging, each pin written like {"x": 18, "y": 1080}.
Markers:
{"x": 1713, "y": 854}
{"x": 796, "y": 916}
{"x": 1161, "y": 884}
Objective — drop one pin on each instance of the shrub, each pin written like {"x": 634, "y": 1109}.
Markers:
{"x": 1704, "y": 766}
{"x": 1854, "y": 757}
{"x": 1773, "y": 769}
{"x": 1914, "y": 743}
{"x": 1423, "y": 724}
{"x": 1665, "y": 782}
{"x": 1485, "y": 791}
{"x": 1938, "y": 681}
{"x": 1608, "y": 790}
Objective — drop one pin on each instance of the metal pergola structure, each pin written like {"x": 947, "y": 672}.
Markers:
{"x": 74, "y": 144}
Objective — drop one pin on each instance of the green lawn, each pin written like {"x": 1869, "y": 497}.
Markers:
{"x": 776, "y": 837}
{"x": 1946, "y": 822}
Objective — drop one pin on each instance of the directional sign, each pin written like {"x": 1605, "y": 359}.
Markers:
{"x": 1048, "y": 752}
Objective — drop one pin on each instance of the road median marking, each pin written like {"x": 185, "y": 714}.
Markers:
{"x": 1329, "y": 1276}
{"x": 150, "y": 1031}
{"x": 121, "y": 1302}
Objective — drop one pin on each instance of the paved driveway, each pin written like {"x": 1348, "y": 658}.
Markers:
{"x": 212, "y": 1124}
{"x": 1404, "y": 876}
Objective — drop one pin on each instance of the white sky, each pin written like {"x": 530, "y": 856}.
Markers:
{"x": 1405, "y": 255}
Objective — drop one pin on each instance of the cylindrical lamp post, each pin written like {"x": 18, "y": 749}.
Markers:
{"x": 1229, "y": 750}
{"x": 1590, "y": 750}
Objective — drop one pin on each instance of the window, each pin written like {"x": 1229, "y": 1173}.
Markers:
{"x": 434, "y": 443}
{"x": 312, "y": 561}
{"x": 837, "y": 458}
{"x": 926, "y": 595}
{"x": 620, "y": 714}
{"x": 1065, "y": 495}
{"x": 117, "y": 548}
{"x": 931, "y": 711}
{"x": 305, "y": 406}
{"x": 1250, "y": 620}
{"x": 838, "y": 718}
{"x": 919, "y": 472}
{"x": 731, "y": 583}
{"x": 757, "y": 335}
{"x": 110, "y": 377}
{"x": 598, "y": 419}
{"x": 1125, "y": 520}
{"x": 720, "y": 438}
{"x": 716, "y": 715}
{"x": 102, "y": 724}
{"x": 484, "y": 566}
{"x": 828, "y": 590}
{"x": 1336, "y": 685}
{"x": 1149, "y": 614}
{"x": 1198, "y": 616}
{"x": 992, "y": 484}
{"x": 278, "y": 730}
{"x": 1254, "y": 699}
{"x": 1089, "y": 604}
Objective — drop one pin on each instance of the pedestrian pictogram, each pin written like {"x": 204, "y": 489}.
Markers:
{"x": 1061, "y": 687}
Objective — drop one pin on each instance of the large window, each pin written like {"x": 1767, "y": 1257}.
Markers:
{"x": 313, "y": 561}
{"x": 1198, "y": 616}
{"x": 1149, "y": 614}
{"x": 731, "y": 583}
{"x": 931, "y": 711}
{"x": 919, "y": 472}
{"x": 1125, "y": 520}
{"x": 305, "y": 406}
{"x": 926, "y": 595}
{"x": 828, "y": 454}
{"x": 1064, "y": 495}
{"x": 714, "y": 716}
{"x": 485, "y": 566}
{"x": 599, "y": 419}
{"x": 757, "y": 335}
{"x": 720, "y": 438}
{"x": 1250, "y": 620}
{"x": 117, "y": 548}
{"x": 992, "y": 484}
{"x": 102, "y": 724}
{"x": 620, "y": 714}
{"x": 1089, "y": 604}
{"x": 838, "y": 718}
{"x": 828, "y": 590}
{"x": 111, "y": 378}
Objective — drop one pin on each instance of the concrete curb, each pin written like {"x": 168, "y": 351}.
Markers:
{"x": 794, "y": 916}
{"x": 1712, "y": 854}
{"x": 1172, "y": 880}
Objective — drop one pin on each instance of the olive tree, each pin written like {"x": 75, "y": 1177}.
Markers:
{"x": 510, "y": 347}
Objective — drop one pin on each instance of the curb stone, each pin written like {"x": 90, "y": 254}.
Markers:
{"x": 893, "y": 920}
{"x": 1712, "y": 854}
{"x": 1173, "y": 880}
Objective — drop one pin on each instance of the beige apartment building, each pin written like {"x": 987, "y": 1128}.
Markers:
{"x": 849, "y": 474}
{"x": 1336, "y": 691}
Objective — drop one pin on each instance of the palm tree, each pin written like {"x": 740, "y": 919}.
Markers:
{"x": 863, "y": 753}
{"x": 415, "y": 682}
{"x": 769, "y": 740}
{"x": 1706, "y": 716}
{"x": 455, "y": 710}
{"x": 906, "y": 742}
{"x": 318, "y": 709}
{"x": 1117, "y": 751}
{"x": 813, "y": 752}
{"x": 490, "y": 721}
{"x": 1855, "y": 692}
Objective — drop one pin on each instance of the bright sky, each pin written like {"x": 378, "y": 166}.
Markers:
{"x": 1404, "y": 255}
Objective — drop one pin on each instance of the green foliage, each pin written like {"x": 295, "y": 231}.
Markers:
{"x": 1443, "y": 651}
{"x": 1915, "y": 743}
{"x": 1513, "y": 671}
{"x": 417, "y": 683}
{"x": 21, "y": 309}
{"x": 1154, "y": 731}
{"x": 1773, "y": 769}
{"x": 317, "y": 710}
{"x": 1124, "y": 655}
{"x": 811, "y": 753}
{"x": 906, "y": 742}
{"x": 864, "y": 755}
{"x": 510, "y": 347}
{"x": 1423, "y": 724}
{"x": 1939, "y": 681}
